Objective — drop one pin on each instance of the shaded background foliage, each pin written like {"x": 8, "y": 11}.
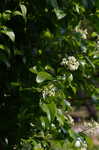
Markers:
{"x": 34, "y": 37}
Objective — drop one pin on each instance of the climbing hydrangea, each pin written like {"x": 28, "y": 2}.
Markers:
{"x": 71, "y": 63}
{"x": 49, "y": 91}
{"x": 80, "y": 143}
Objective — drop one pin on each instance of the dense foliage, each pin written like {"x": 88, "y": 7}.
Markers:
{"x": 49, "y": 61}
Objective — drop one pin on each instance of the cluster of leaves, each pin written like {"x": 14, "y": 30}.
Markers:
{"x": 34, "y": 87}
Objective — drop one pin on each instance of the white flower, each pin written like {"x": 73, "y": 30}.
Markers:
{"x": 72, "y": 59}
{"x": 72, "y": 63}
{"x": 80, "y": 143}
{"x": 64, "y": 61}
{"x": 44, "y": 93}
{"x": 77, "y": 144}
{"x": 79, "y": 139}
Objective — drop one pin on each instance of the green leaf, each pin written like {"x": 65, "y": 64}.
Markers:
{"x": 46, "y": 110}
{"x": 18, "y": 52}
{"x": 5, "y": 16}
{"x": 44, "y": 122}
{"x": 15, "y": 84}
{"x": 73, "y": 89}
{"x": 56, "y": 145}
{"x": 72, "y": 133}
{"x": 47, "y": 34}
{"x": 43, "y": 76}
{"x": 24, "y": 10}
{"x": 97, "y": 4}
{"x": 89, "y": 141}
{"x": 38, "y": 147}
{"x": 4, "y": 48}
{"x": 17, "y": 13}
{"x": 70, "y": 78}
{"x": 8, "y": 11}
{"x": 9, "y": 33}
{"x": 33, "y": 69}
{"x": 59, "y": 13}
{"x": 52, "y": 108}
{"x": 94, "y": 34}
{"x": 53, "y": 3}
{"x": 90, "y": 62}
{"x": 3, "y": 57}
{"x": 60, "y": 117}
{"x": 77, "y": 8}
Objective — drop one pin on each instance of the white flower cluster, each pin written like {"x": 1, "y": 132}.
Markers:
{"x": 71, "y": 63}
{"x": 81, "y": 144}
{"x": 83, "y": 33}
{"x": 49, "y": 91}
{"x": 91, "y": 128}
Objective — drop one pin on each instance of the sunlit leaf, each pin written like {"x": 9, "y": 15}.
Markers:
{"x": 53, "y": 110}
{"x": 24, "y": 10}
{"x": 9, "y": 33}
{"x": 15, "y": 13}
{"x": 43, "y": 76}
